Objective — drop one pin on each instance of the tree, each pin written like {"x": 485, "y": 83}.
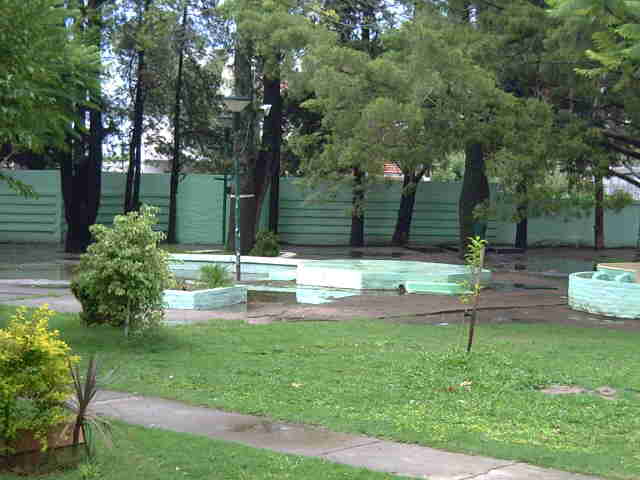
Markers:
{"x": 175, "y": 160}
{"x": 184, "y": 100}
{"x": 46, "y": 71}
{"x": 270, "y": 38}
{"x": 81, "y": 164}
{"x": 617, "y": 35}
{"x": 422, "y": 99}
{"x": 614, "y": 30}
{"x": 536, "y": 61}
{"x": 141, "y": 86}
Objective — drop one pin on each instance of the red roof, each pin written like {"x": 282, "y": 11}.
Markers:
{"x": 392, "y": 169}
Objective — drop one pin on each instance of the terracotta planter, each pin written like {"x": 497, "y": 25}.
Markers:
{"x": 29, "y": 457}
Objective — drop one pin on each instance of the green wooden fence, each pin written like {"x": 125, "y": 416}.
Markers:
{"x": 328, "y": 222}
{"x": 201, "y": 214}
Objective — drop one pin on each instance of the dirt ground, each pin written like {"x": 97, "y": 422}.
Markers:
{"x": 527, "y": 287}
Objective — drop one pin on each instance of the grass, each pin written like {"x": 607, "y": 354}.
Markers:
{"x": 152, "y": 454}
{"x": 402, "y": 382}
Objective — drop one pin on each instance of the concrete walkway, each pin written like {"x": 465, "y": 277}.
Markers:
{"x": 368, "y": 452}
{"x": 56, "y": 294}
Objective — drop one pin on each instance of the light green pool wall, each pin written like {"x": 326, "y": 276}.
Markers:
{"x": 606, "y": 292}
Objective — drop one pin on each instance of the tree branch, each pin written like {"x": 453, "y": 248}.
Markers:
{"x": 624, "y": 177}
{"x": 624, "y": 151}
{"x": 622, "y": 138}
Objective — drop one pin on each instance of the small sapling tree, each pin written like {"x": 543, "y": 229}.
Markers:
{"x": 474, "y": 259}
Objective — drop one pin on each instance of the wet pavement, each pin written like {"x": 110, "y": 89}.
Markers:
{"x": 356, "y": 450}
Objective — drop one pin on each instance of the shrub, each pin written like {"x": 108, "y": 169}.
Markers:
{"x": 214, "y": 276}
{"x": 124, "y": 273}
{"x": 34, "y": 376}
{"x": 266, "y": 245}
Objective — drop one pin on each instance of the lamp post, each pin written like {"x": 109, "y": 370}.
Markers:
{"x": 237, "y": 104}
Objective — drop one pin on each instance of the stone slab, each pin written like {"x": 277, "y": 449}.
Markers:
{"x": 381, "y": 274}
{"x": 186, "y": 257}
{"x": 207, "y": 299}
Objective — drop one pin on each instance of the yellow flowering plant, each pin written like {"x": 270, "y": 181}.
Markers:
{"x": 34, "y": 376}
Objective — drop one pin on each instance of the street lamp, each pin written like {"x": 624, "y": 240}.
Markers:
{"x": 236, "y": 104}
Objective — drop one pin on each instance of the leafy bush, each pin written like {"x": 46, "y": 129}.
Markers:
{"x": 34, "y": 376}
{"x": 214, "y": 276}
{"x": 266, "y": 245}
{"x": 124, "y": 273}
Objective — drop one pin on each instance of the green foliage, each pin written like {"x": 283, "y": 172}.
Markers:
{"x": 415, "y": 104}
{"x": 616, "y": 41}
{"x": 124, "y": 273}
{"x": 157, "y": 30}
{"x": 46, "y": 73}
{"x": 91, "y": 425}
{"x": 267, "y": 245}
{"x": 474, "y": 258}
{"x": 18, "y": 186}
{"x": 34, "y": 376}
{"x": 451, "y": 169}
{"x": 215, "y": 276}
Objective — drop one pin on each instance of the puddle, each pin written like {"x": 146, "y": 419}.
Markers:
{"x": 260, "y": 427}
{"x": 47, "y": 271}
{"x": 363, "y": 255}
{"x": 555, "y": 265}
{"x": 514, "y": 287}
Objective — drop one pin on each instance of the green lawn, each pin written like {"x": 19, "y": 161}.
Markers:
{"x": 402, "y": 382}
{"x": 150, "y": 454}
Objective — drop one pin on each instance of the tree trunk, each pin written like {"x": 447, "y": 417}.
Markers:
{"x": 356, "y": 238}
{"x": 244, "y": 147}
{"x": 176, "y": 165}
{"x": 81, "y": 172}
{"x": 132, "y": 188}
{"x": 522, "y": 234}
{"x": 405, "y": 212}
{"x": 598, "y": 226}
{"x": 268, "y": 165}
{"x": 475, "y": 190}
{"x": 521, "y": 240}
{"x": 274, "y": 202}
{"x": 81, "y": 187}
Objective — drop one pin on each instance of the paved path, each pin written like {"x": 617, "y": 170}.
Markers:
{"x": 368, "y": 452}
{"x": 56, "y": 294}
